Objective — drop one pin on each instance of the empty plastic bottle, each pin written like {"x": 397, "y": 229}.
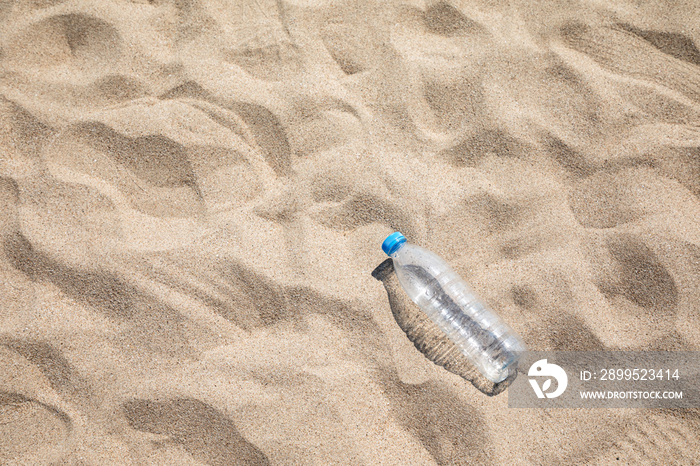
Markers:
{"x": 491, "y": 345}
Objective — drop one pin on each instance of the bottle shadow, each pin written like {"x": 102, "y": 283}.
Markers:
{"x": 427, "y": 337}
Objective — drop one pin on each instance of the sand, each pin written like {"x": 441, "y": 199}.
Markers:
{"x": 194, "y": 194}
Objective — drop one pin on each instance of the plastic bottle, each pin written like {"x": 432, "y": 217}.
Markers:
{"x": 491, "y": 345}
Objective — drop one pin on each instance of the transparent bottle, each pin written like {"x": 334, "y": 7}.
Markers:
{"x": 491, "y": 345}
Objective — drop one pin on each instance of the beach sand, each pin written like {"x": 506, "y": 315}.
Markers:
{"x": 194, "y": 195}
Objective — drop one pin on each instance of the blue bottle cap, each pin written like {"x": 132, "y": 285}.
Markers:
{"x": 392, "y": 243}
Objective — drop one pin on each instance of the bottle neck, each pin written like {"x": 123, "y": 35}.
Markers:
{"x": 396, "y": 251}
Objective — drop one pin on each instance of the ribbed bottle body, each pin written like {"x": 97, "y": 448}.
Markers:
{"x": 442, "y": 294}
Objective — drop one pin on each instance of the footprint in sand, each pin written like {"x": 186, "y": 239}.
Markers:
{"x": 34, "y": 425}
{"x": 204, "y": 432}
{"x": 72, "y": 42}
